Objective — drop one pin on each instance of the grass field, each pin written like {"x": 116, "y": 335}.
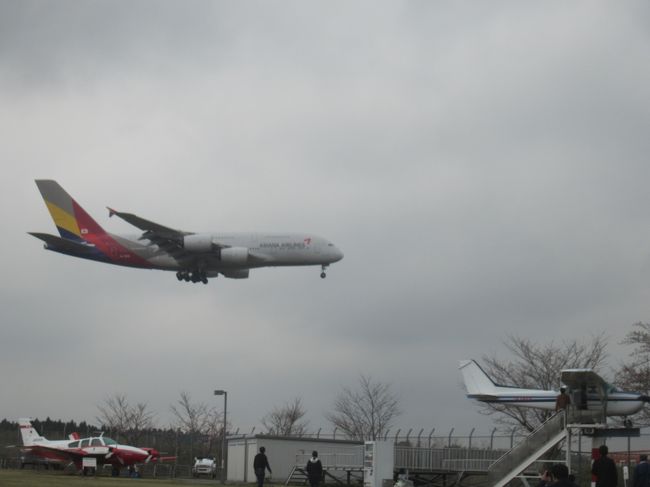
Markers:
{"x": 34, "y": 478}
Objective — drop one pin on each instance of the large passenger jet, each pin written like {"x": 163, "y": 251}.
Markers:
{"x": 194, "y": 257}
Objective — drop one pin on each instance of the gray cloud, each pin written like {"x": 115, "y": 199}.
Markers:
{"x": 482, "y": 167}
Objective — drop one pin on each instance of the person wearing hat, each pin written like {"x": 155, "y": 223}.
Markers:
{"x": 314, "y": 469}
{"x": 260, "y": 464}
{"x": 563, "y": 400}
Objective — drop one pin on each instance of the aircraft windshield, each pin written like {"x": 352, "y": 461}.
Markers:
{"x": 109, "y": 441}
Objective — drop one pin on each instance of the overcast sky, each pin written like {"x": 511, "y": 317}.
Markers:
{"x": 483, "y": 166}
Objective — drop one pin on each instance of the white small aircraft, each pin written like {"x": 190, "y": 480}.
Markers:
{"x": 103, "y": 449}
{"x": 588, "y": 391}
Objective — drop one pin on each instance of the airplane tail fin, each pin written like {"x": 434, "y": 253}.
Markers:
{"x": 70, "y": 218}
{"x": 28, "y": 433}
{"x": 477, "y": 382}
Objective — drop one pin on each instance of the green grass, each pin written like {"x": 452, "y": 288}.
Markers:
{"x": 42, "y": 478}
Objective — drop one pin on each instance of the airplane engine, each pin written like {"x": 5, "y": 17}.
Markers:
{"x": 198, "y": 243}
{"x": 234, "y": 255}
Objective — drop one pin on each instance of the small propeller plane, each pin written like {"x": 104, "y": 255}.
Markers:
{"x": 588, "y": 391}
{"x": 103, "y": 449}
{"x": 194, "y": 256}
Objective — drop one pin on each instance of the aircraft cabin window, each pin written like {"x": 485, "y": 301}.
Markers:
{"x": 74, "y": 444}
{"x": 109, "y": 441}
{"x": 84, "y": 443}
{"x": 96, "y": 442}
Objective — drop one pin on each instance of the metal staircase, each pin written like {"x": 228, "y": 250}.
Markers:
{"x": 513, "y": 463}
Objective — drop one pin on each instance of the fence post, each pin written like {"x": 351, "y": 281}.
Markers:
{"x": 397, "y": 435}
{"x": 430, "y": 435}
{"x": 408, "y": 434}
{"x": 450, "y": 432}
{"x": 492, "y": 439}
{"x": 512, "y": 437}
{"x": 386, "y": 435}
{"x": 419, "y": 435}
{"x": 318, "y": 434}
{"x": 334, "y": 434}
{"x": 470, "y": 439}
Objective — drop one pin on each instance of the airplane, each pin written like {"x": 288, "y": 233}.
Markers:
{"x": 587, "y": 389}
{"x": 194, "y": 256}
{"x": 105, "y": 450}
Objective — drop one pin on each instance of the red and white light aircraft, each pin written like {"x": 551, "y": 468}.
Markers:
{"x": 103, "y": 449}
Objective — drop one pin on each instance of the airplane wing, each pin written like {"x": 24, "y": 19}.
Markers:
{"x": 72, "y": 455}
{"x": 149, "y": 226}
{"x": 576, "y": 378}
{"x": 168, "y": 239}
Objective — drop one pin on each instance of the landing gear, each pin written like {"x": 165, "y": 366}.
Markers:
{"x": 322, "y": 273}
{"x": 192, "y": 276}
{"x": 627, "y": 423}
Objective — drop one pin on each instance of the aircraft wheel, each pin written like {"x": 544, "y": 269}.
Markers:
{"x": 204, "y": 280}
{"x": 323, "y": 275}
{"x": 179, "y": 276}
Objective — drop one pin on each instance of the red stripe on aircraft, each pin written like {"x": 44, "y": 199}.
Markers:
{"x": 96, "y": 235}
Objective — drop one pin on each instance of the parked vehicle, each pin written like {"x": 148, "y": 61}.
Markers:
{"x": 204, "y": 466}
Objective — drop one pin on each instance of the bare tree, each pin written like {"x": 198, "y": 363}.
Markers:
{"x": 196, "y": 420}
{"x": 365, "y": 413}
{"x": 286, "y": 420}
{"x": 124, "y": 420}
{"x": 538, "y": 366}
{"x": 634, "y": 374}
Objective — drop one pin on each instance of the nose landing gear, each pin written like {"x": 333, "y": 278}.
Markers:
{"x": 323, "y": 275}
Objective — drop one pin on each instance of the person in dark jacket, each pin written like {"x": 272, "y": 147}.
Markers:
{"x": 604, "y": 469}
{"x": 314, "y": 469}
{"x": 260, "y": 464}
{"x": 560, "y": 473}
{"x": 642, "y": 472}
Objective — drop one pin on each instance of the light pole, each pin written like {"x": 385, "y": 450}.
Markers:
{"x": 221, "y": 392}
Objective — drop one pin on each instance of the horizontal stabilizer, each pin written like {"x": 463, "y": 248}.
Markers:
{"x": 52, "y": 242}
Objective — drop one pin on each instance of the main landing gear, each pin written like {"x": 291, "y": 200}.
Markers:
{"x": 192, "y": 276}
{"x": 322, "y": 273}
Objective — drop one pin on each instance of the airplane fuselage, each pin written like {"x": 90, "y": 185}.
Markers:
{"x": 257, "y": 250}
{"x": 618, "y": 403}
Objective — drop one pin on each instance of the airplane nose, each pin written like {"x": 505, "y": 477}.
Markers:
{"x": 337, "y": 254}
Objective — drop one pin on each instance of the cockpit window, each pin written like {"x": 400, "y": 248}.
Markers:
{"x": 84, "y": 443}
{"x": 74, "y": 444}
{"x": 108, "y": 441}
{"x": 96, "y": 442}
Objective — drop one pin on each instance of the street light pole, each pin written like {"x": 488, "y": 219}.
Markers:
{"x": 221, "y": 392}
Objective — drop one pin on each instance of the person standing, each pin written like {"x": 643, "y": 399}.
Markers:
{"x": 314, "y": 469}
{"x": 563, "y": 400}
{"x": 642, "y": 472}
{"x": 604, "y": 469}
{"x": 560, "y": 472}
{"x": 260, "y": 464}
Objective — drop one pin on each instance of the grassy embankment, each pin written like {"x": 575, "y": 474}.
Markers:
{"x": 32, "y": 478}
